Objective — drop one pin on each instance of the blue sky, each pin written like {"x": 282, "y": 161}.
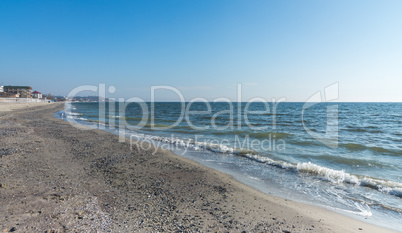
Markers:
{"x": 288, "y": 49}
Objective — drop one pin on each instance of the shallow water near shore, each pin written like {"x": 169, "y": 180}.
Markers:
{"x": 270, "y": 148}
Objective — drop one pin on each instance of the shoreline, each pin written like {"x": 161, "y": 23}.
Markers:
{"x": 57, "y": 177}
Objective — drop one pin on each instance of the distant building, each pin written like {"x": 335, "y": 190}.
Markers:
{"x": 1, "y": 89}
{"x": 8, "y": 95}
{"x": 22, "y": 91}
{"x": 36, "y": 95}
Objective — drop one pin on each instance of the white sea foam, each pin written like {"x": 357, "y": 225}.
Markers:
{"x": 265, "y": 159}
{"x": 364, "y": 210}
{"x": 340, "y": 176}
{"x": 73, "y": 114}
{"x": 335, "y": 176}
{"x": 384, "y": 186}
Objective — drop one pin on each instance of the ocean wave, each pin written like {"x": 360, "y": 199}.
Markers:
{"x": 114, "y": 117}
{"x": 259, "y": 135}
{"x": 73, "y": 114}
{"x": 387, "y": 207}
{"x": 186, "y": 131}
{"x": 375, "y": 149}
{"x": 134, "y": 118}
{"x": 306, "y": 142}
{"x": 340, "y": 176}
{"x": 234, "y": 132}
{"x": 334, "y": 176}
{"x": 363, "y": 130}
{"x": 384, "y": 186}
{"x": 75, "y": 117}
{"x": 276, "y": 114}
{"x": 346, "y": 161}
{"x": 269, "y": 161}
{"x": 266, "y": 135}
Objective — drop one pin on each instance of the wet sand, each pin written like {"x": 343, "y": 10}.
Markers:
{"x": 58, "y": 178}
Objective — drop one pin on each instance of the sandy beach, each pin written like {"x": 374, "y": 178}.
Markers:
{"x": 6, "y": 107}
{"x": 58, "y": 178}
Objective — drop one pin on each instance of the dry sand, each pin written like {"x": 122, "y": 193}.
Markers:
{"x": 6, "y": 107}
{"x": 57, "y": 178}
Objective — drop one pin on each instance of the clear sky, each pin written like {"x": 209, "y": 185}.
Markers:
{"x": 205, "y": 48}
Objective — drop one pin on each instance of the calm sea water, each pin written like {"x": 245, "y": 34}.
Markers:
{"x": 343, "y": 156}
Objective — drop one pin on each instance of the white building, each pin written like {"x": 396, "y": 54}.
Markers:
{"x": 1, "y": 88}
{"x": 37, "y": 95}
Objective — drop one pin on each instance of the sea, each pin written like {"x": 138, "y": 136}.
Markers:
{"x": 346, "y": 157}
